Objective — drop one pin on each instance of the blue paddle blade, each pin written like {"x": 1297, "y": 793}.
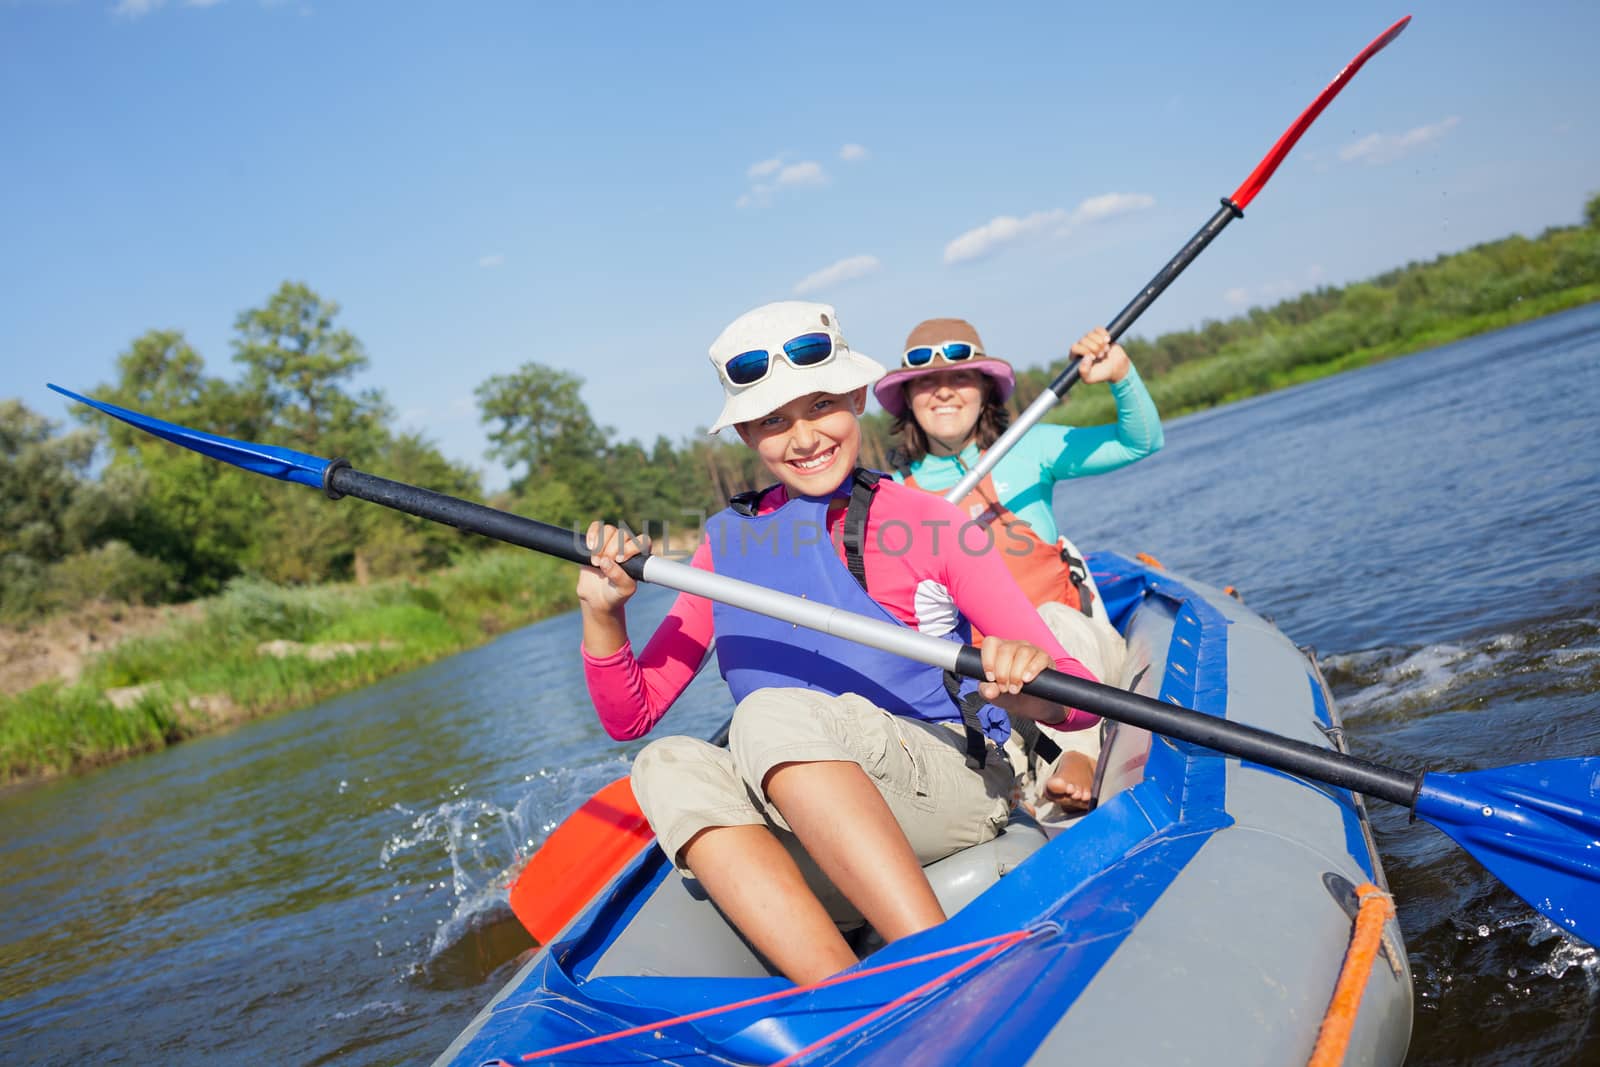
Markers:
{"x": 285, "y": 464}
{"x": 1535, "y": 826}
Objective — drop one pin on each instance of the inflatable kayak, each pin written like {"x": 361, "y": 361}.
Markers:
{"x": 1203, "y": 912}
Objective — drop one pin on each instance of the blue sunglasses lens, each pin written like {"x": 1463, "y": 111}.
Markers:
{"x": 957, "y": 352}
{"x": 747, "y": 367}
{"x": 809, "y": 349}
{"x": 916, "y": 357}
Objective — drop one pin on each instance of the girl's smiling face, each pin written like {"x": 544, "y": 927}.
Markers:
{"x": 946, "y": 404}
{"x": 811, "y": 443}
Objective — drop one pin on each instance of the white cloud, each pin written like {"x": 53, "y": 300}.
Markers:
{"x": 764, "y": 168}
{"x": 834, "y": 274}
{"x": 853, "y": 153}
{"x": 778, "y": 173}
{"x": 1005, "y": 229}
{"x": 1000, "y": 230}
{"x": 806, "y": 173}
{"x": 1377, "y": 148}
{"x": 1108, "y": 205}
{"x": 136, "y": 9}
{"x": 492, "y": 260}
{"x": 1238, "y": 297}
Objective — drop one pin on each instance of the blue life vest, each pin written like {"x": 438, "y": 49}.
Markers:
{"x": 789, "y": 550}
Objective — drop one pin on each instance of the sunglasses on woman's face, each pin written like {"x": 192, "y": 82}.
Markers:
{"x": 807, "y": 350}
{"x": 950, "y": 352}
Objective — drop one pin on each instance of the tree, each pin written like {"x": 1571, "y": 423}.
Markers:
{"x": 539, "y": 423}
{"x": 54, "y": 521}
{"x": 197, "y": 517}
{"x": 296, "y": 363}
{"x": 41, "y": 475}
{"x": 396, "y": 544}
{"x": 1591, "y": 212}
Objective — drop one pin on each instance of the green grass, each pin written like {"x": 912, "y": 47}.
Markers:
{"x": 206, "y": 671}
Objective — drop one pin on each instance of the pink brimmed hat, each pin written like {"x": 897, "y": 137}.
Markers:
{"x": 939, "y": 345}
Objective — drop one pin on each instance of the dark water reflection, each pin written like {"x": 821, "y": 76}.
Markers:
{"x": 329, "y": 884}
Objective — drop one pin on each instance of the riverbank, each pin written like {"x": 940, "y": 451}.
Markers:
{"x": 1264, "y": 366}
{"x": 174, "y": 673}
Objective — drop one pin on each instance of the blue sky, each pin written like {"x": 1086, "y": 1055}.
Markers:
{"x": 601, "y": 187}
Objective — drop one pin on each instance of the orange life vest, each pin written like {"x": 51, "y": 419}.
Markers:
{"x": 1045, "y": 572}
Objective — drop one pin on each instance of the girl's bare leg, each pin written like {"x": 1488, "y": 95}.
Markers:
{"x": 755, "y": 882}
{"x": 847, "y": 828}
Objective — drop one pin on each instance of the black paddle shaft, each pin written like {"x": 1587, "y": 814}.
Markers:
{"x": 1232, "y": 738}
{"x": 1157, "y": 285}
{"x": 340, "y": 479}
{"x": 1185, "y": 724}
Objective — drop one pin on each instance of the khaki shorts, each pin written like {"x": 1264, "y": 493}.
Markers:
{"x": 1093, "y": 642}
{"x": 685, "y": 785}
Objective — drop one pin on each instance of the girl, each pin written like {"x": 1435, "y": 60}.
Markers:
{"x": 846, "y": 769}
{"x": 948, "y": 400}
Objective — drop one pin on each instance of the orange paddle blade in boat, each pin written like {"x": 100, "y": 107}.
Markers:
{"x": 578, "y": 859}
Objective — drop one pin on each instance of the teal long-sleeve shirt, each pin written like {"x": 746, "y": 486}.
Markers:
{"x": 1025, "y": 477}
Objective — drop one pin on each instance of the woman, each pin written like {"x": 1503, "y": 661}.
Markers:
{"x": 846, "y": 769}
{"x": 948, "y": 400}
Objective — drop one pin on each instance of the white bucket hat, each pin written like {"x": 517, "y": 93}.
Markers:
{"x": 768, "y": 329}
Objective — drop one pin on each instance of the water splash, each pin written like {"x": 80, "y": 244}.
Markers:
{"x": 482, "y": 843}
{"x": 1397, "y": 679}
{"x": 1548, "y": 657}
{"x": 1500, "y": 961}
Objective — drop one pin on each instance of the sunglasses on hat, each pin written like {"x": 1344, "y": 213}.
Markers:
{"x": 950, "y": 352}
{"x": 807, "y": 350}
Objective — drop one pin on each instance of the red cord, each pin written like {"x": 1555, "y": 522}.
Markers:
{"x": 1001, "y": 942}
{"x": 903, "y": 998}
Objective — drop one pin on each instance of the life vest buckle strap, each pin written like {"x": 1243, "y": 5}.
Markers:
{"x": 1078, "y": 571}
{"x": 977, "y": 743}
{"x": 864, "y": 484}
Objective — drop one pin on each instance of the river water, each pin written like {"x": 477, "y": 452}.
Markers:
{"x": 327, "y": 885}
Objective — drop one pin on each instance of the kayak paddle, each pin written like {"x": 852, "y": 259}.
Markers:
{"x": 1535, "y": 826}
{"x": 1232, "y": 208}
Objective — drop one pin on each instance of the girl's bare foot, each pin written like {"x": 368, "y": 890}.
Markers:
{"x": 1072, "y": 785}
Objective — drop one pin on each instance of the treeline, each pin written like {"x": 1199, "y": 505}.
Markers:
{"x": 1402, "y": 309}
{"x": 106, "y": 512}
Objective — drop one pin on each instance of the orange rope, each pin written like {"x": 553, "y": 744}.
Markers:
{"x": 1377, "y": 908}
{"x": 1150, "y": 561}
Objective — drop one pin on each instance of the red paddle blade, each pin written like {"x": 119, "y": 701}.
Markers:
{"x": 574, "y": 863}
{"x": 1258, "y": 177}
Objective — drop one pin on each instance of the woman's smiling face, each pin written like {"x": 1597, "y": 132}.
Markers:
{"x": 811, "y": 443}
{"x": 946, "y": 404}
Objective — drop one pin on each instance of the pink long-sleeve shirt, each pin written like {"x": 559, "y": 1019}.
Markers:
{"x": 925, "y": 563}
